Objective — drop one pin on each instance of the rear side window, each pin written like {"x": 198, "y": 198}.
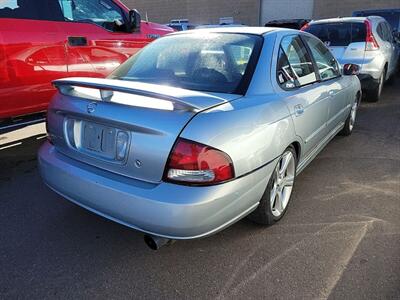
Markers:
{"x": 43, "y": 10}
{"x": 326, "y": 63}
{"x": 339, "y": 34}
{"x": 295, "y": 67}
{"x": 384, "y": 32}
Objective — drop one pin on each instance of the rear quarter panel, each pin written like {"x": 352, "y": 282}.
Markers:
{"x": 252, "y": 131}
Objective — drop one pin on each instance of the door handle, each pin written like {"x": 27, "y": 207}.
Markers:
{"x": 75, "y": 41}
{"x": 331, "y": 93}
{"x": 298, "y": 110}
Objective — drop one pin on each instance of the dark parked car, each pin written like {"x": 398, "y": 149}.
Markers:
{"x": 288, "y": 23}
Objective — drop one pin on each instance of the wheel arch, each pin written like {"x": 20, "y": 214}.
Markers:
{"x": 297, "y": 147}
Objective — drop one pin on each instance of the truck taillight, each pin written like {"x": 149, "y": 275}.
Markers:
{"x": 370, "y": 41}
{"x": 197, "y": 164}
{"x": 305, "y": 27}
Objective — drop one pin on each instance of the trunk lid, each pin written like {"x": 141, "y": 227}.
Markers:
{"x": 95, "y": 120}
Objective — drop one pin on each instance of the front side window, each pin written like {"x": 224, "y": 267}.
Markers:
{"x": 295, "y": 67}
{"x": 214, "y": 62}
{"x": 326, "y": 63}
{"x": 101, "y": 12}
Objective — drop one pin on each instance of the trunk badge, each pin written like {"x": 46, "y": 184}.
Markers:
{"x": 91, "y": 108}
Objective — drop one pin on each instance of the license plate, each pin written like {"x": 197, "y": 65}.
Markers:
{"x": 100, "y": 139}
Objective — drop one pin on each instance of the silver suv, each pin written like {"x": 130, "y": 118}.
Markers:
{"x": 366, "y": 41}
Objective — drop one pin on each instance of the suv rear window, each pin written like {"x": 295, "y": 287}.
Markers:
{"x": 339, "y": 34}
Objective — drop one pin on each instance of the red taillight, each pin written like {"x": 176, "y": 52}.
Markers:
{"x": 370, "y": 41}
{"x": 194, "y": 163}
{"x": 305, "y": 27}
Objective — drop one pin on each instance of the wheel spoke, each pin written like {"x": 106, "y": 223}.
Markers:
{"x": 278, "y": 202}
{"x": 285, "y": 162}
{"x": 288, "y": 181}
{"x": 273, "y": 197}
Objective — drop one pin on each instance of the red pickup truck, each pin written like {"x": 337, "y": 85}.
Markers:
{"x": 43, "y": 40}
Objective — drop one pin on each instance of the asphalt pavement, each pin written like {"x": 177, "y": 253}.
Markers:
{"x": 340, "y": 238}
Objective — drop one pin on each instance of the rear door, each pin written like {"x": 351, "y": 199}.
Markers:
{"x": 96, "y": 35}
{"x": 306, "y": 98}
{"x": 330, "y": 76}
{"x": 33, "y": 55}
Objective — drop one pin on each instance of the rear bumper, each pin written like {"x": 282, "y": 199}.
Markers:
{"x": 163, "y": 209}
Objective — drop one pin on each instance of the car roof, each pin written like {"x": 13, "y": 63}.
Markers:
{"x": 229, "y": 29}
{"x": 345, "y": 19}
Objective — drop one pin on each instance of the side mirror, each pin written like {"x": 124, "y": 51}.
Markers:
{"x": 351, "y": 69}
{"x": 134, "y": 21}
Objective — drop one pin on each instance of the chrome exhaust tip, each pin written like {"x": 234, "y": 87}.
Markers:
{"x": 156, "y": 242}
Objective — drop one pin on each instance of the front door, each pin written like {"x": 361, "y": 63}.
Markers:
{"x": 33, "y": 55}
{"x": 96, "y": 35}
{"x": 331, "y": 79}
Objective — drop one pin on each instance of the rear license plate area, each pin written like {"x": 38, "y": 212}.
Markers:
{"x": 98, "y": 140}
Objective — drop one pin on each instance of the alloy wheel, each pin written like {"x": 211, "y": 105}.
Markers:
{"x": 381, "y": 82}
{"x": 282, "y": 187}
{"x": 353, "y": 115}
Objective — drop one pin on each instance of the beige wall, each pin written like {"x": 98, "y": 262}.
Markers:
{"x": 198, "y": 11}
{"x": 332, "y": 8}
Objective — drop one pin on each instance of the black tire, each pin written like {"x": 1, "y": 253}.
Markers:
{"x": 349, "y": 124}
{"x": 263, "y": 213}
{"x": 375, "y": 94}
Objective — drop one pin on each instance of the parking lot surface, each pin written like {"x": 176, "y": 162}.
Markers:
{"x": 340, "y": 238}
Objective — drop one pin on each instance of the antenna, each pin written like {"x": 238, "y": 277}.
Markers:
{"x": 147, "y": 18}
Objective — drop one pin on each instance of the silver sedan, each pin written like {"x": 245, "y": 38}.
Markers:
{"x": 198, "y": 130}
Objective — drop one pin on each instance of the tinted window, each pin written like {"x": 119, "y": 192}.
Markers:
{"x": 326, "y": 63}
{"x": 102, "y": 12}
{"x": 295, "y": 67}
{"x": 339, "y": 34}
{"x": 380, "y": 31}
{"x": 389, "y": 32}
{"x": 46, "y": 10}
{"x": 214, "y": 62}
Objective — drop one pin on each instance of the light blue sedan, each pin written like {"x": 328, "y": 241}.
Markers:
{"x": 198, "y": 130}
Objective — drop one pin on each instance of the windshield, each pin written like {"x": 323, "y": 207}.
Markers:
{"x": 339, "y": 34}
{"x": 213, "y": 62}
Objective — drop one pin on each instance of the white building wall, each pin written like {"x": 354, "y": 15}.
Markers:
{"x": 286, "y": 9}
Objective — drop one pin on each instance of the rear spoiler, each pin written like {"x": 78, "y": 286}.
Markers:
{"x": 107, "y": 87}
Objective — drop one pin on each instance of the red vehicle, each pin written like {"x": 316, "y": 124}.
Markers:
{"x": 43, "y": 40}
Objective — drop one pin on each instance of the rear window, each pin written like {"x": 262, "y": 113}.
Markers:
{"x": 213, "y": 62}
{"x": 339, "y": 34}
